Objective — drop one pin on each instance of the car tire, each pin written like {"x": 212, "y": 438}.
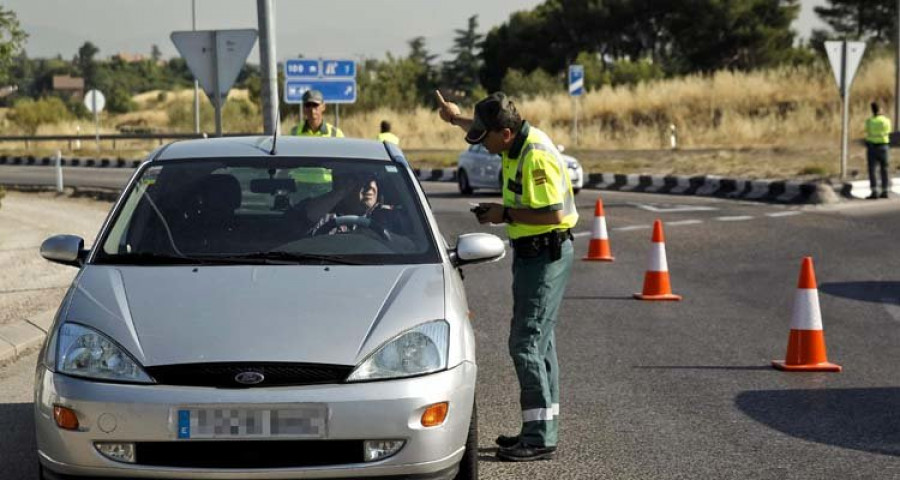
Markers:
{"x": 462, "y": 179}
{"x": 468, "y": 466}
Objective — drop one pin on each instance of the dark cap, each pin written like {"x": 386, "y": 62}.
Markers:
{"x": 313, "y": 96}
{"x": 494, "y": 112}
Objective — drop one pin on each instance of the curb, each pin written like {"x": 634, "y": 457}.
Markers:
{"x": 19, "y": 338}
{"x": 779, "y": 191}
{"x": 32, "y": 161}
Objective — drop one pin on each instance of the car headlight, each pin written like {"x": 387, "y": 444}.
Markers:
{"x": 85, "y": 352}
{"x": 420, "y": 350}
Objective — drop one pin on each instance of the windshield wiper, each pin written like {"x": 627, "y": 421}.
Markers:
{"x": 149, "y": 258}
{"x": 292, "y": 257}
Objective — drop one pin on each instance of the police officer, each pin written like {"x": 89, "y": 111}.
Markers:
{"x": 315, "y": 124}
{"x": 878, "y": 129}
{"x": 386, "y": 135}
{"x": 539, "y": 211}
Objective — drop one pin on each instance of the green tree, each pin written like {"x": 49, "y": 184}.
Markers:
{"x": 12, "y": 37}
{"x": 461, "y": 73}
{"x": 538, "y": 82}
{"x": 155, "y": 53}
{"x": 87, "y": 65}
{"x": 860, "y": 19}
{"x": 30, "y": 114}
{"x": 427, "y": 77}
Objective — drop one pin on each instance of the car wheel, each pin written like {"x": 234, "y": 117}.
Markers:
{"x": 468, "y": 466}
{"x": 465, "y": 187}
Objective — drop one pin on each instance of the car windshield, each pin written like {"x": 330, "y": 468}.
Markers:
{"x": 272, "y": 211}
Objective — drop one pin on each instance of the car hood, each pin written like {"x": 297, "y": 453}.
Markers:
{"x": 318, "y": 314}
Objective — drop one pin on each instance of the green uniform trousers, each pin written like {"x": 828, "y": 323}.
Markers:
{"x": 538, "y": 287}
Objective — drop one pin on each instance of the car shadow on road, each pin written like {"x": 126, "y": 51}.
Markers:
{"x": 18, "y": 450}
{"x": 875, "y": 292}
{"x": 865, "y": 419}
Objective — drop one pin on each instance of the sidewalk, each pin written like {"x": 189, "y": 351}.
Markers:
{"x": 19, "y": 338}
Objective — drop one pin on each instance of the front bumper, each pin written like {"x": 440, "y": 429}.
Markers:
{"x": 364, "y": 411}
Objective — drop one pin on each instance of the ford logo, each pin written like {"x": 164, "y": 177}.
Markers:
{"x": 249, "y": 378}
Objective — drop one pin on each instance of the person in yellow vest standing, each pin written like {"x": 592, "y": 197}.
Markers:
{"x": 314, "y": 112}
{"x": 878, "y": 142}
{"x": 386, "y": 135}
{"x": 539, "y": 212}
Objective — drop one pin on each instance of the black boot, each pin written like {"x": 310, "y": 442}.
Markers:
{"x": 522, "y": 452}
{"x": 504, "y": 441}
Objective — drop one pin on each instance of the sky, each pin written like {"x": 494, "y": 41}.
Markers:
{"x": 335, "y": 29}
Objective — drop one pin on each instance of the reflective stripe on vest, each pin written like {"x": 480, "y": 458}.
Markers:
{"x": 568, "y": 200}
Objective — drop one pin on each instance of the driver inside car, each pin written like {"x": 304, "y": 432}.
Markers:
{"x": 353, "y": 204}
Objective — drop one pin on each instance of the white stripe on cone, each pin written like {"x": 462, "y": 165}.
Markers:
{"x": 598, "y": 229}
{"x": 658, "y": 258}
{"x": 807, "y": 315}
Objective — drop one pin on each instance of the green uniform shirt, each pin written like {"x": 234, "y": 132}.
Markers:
{"x": 536, "y": 177}
{"x": 878, "y": 129}
{"x": 388, "y": 137}
{"x": 324, "y": 130}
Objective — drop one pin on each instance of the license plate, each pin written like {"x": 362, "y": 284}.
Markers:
{"x": 303, "y": 421}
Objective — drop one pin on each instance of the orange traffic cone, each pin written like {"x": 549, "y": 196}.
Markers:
{"x": 598, "y": 249}
{"x": 656, "y": 280}
{"x": 806, "y": 343}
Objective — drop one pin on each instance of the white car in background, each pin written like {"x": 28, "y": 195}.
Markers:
{"x": 477, "y": 168}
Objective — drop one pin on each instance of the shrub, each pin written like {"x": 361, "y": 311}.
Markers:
{"x": 29, "y": 114}
{"x": 538, "y": 82}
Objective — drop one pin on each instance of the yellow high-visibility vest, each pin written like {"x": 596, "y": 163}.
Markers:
{"x": 878, "y": 130}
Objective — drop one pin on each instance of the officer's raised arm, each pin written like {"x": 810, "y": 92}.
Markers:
{"x": 451, "y": 114}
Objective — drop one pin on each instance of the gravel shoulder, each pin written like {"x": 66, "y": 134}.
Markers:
{"x": 28, "y": 283}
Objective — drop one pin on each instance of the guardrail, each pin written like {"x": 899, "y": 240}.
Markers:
{"x": 160, "y": 137}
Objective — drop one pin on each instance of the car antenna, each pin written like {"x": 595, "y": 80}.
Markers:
{"x": 275, "y": 134}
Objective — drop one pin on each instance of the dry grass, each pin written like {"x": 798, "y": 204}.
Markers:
{"x": 776, "y": 123}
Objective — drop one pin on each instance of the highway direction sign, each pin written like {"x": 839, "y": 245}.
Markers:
{"x": 576, "y": 80}
{"x": 338, "y": 68}
{"x": 302, "y": 68}
{"x": 334, "y": 91}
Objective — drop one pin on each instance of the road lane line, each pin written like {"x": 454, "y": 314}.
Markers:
{"x": 683, "y": 222}
{"x": 738, "y": 218}
{"x": 633, "y": 227}
{"x": 783, "y": 214}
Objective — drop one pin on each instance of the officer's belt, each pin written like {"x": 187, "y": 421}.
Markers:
{"x": 542, "y": 240}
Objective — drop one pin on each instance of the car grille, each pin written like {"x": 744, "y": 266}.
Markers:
{"x": 223, "y": 375}
{"x": 249, "y": 454}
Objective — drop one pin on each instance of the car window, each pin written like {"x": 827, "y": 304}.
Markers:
{"x": 269, "y": 208}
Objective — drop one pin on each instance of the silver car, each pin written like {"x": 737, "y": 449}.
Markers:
{"x": 479, "y": 169}
{"x": 252, "y": 310}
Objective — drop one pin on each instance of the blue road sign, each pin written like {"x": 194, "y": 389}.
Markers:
{"x": 302, "y": 68}
{"x": 576, "y": 80}
{"x": 338, "y": 69}
{"x": 334, "y": 91}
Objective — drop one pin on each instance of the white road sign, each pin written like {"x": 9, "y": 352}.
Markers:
{"x": 844, "y": 58}
{"x": 94, "y": 101}
{"x": 215, "y": 57}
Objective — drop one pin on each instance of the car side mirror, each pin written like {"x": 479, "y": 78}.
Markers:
{"x": 472, "y": 248}
{"x": 64, "y": 249}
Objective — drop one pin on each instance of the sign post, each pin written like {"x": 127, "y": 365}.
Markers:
{"x": 576, "y": 89}
{"x": 336, "y": 79}
{"x": 215, "y": 57}
{"x": 844, "y": 58}
{"x": 95, "y": 101}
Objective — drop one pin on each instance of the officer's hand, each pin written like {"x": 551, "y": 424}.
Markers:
{"x": 490, "y": 213}
{"x": 448, "y": 110}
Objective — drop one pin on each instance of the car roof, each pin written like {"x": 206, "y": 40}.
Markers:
{"x": 287, "y": 146}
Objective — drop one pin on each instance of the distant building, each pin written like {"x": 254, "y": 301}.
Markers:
{"x": 69, "y": 85}
{"x": 129, "y": 57}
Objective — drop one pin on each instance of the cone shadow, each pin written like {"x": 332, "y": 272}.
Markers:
{"x": 874, "y": 292}
{"x": 865, "y": 419}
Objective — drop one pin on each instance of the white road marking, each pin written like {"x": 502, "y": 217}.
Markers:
{"x": 581, "y": 234}
{"x": 784, "y": 214}
{"x": 665, "y": 208}
{"x": 738, "y": 218}
{"x": 633, "y": 227}
{"x": 892, "y": 305}
{"x": 683, "y": 222}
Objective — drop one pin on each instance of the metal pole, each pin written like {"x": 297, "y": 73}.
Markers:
{"x": 845, "y": 113}
{"x": 576, "y": 121}
{"x": 196, "y": 82}
{"x": 59, "y": 172}
{"x": 337, "y": 115}
{"x": 268, "y": 67}
{"x": 96, "y": 122}
{"x": 218, "y": 94}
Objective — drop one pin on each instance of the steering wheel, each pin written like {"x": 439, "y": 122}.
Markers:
{"x": 363, "y": 222}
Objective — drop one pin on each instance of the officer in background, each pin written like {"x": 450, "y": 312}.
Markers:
{"x": 314, "y": 113}
{"x": 386, "y": 135}
{"x": 539, "y": 211}
{"x": 878, "y": 130}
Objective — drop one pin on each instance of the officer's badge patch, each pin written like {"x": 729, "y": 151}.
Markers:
{"x": 540, "y": 177}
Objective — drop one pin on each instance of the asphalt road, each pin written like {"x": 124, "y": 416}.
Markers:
{"x": 680, "y": 390}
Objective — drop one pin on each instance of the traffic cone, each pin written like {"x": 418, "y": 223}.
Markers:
{"x": 806, "y": 343}
{"x": 656, "y": 280}
{"x": 598, "y": 249}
